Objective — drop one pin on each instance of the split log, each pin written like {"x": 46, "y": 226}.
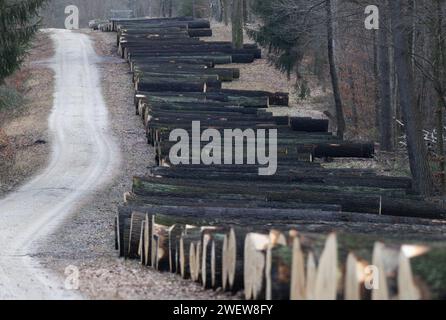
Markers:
{"x": 189, "y": 236}
{"x": 233, "y": 259}
{"x": 278, "y": 271}
{"x": 123, "y": 235}
{"x": 385, "y": 259}
{"x": 141, "y": 249}
{"x": 298, "y": 277}
{"x": 421, "y": 273}
{"x": 310, "y": 277}
{"x": 136, "y": 220}
{"x": 327, "y": 271}
{"x": 255, "y": 266}
{"x": 194, "y": 260}
{"x": 116, "y": 227}
{"x": 212, "y": 248}
{"x": 160, "y": 245}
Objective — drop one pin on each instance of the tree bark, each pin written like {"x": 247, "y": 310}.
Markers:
{"x": 438, "y": 76}
{"x": 418, "y": 158}
{"x": 386, "y": 113}
{"x": 340, "y": 119}
{"x": 237, "y": 24}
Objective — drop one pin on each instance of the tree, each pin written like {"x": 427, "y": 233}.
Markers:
{"x": 292, "y": 29}
{"x": 384, "y": 82}
{"x": 340, "y": 120}
{"x": 419, "y": 164}
{"x": 18, "y": 24}
{"x": 439, "y": 63}
{"x": 237, "y": 24}
{"x": 226, "y": 11}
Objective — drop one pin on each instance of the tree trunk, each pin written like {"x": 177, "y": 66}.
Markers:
{"x": 245, "y": 11}
{"x": 386, "y": 113}
{"x": 333, "y": 72}
{"x": 377, "y": 83}
{"x": 355, "y": 117}
{"x": 225, "y": 7}
{"x": 438, "y": 78}
{"x": 419, "y": 163}
{"x": 237, "y": 24}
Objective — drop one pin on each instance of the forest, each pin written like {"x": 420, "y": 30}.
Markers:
{"x": 354, "y": 91}
{"x": 388, "y": 83}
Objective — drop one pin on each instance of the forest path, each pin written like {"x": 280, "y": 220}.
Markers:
{"x": 84, "y": 157}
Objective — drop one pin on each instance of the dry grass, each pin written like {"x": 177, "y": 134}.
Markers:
{"x": 24, "y": 127}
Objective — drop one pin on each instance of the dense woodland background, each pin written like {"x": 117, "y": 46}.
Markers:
{"x": 386, "y": 85}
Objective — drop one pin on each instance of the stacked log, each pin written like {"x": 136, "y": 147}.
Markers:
{"x": 306, "y": 232}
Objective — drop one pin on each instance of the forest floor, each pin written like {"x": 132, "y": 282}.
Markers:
{"x": 28, "y": 99}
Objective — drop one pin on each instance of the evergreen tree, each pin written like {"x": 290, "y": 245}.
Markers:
{"x": 284, "y": 30}
{"x": 18, "y": 24}
{"x": 293, "y": 28}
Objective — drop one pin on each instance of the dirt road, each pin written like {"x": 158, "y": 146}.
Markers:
{"x": 84, "y": 157}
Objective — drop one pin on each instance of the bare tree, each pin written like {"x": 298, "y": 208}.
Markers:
{"x": 340, "y": 120}
{"x": 419, "y": 164}
{"x": 384, "y": 82}
{"x": 237, "y": 24}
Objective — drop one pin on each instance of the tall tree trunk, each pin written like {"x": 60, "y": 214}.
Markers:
{"x": 333, "y": 72}
{"x": 161, "y": 9}
{"x": 385, "y": 90}
{"x": 237, "y": 24}
{"x": 439, "y": 78}
{"x": 377, "y": 83}
{"x": 226, "y": 10}
{"x": 245, "y": 11}
{"x": 170, "y": 8}
{"x": 419, "y": 164}
{"x": 351, "y": 81}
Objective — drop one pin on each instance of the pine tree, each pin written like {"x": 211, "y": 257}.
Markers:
{"x": 278, "y": 32}
{"x": 19, "y": 22}
{"x": 292, "y": 28}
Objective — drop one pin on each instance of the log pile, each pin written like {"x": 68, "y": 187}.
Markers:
{"x": 306, "y": 232}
